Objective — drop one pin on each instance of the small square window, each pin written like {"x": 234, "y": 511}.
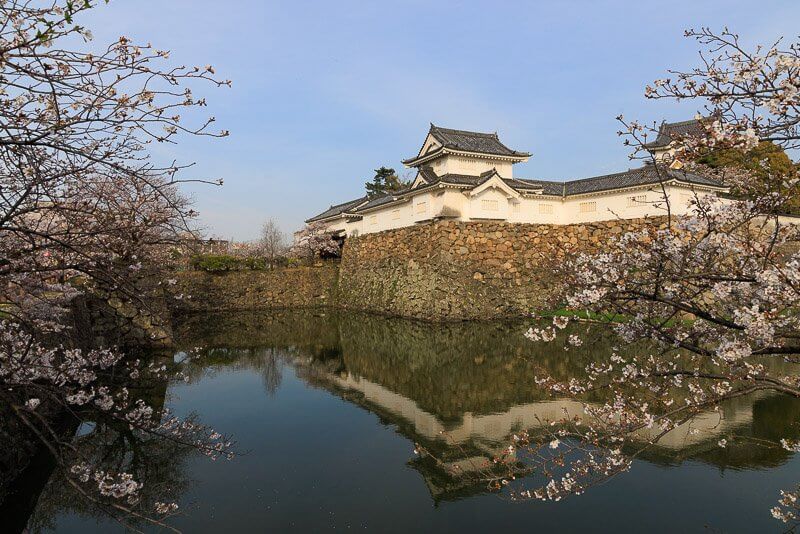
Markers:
{"x": 490, "y": 205}
{"x": 636, "y": 201}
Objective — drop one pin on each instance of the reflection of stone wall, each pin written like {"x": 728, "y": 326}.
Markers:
{"x": 295, "y": 287}
{"x": 453, "y": 368}
{"x": 315, "y": 331}
{"x": 458, "y": 270}
{"x": 473, "y": 380}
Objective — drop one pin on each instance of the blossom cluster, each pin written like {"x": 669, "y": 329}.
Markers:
{"x": 706, "y": 302}
{"x": 85, "y": 212}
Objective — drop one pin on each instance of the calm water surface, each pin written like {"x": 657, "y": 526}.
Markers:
{"x": 327, "y": 408}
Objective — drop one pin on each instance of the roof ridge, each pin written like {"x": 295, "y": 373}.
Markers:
{"x": 606, "y": 175}
{"x": 456, "y": 175}
{"x": 682, "y": 172}
{"x": 456, "y": 131}
{"x": 687, "y": 121}
{"x": 348, "y": 202}
{"x": 539, "y": 180}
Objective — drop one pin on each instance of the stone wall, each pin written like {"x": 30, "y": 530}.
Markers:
{"x": 466, "y": 270}
{"x": 290, "y": 287}
{"x": 441, "y": 271}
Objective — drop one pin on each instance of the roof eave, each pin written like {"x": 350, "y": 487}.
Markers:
{"x": 323, "y": 219}
{"x": 394, "y": 202}
{"x": 648, "y": 185}
{"x": 721, "y": 188}
{"x": 518, "y": 157}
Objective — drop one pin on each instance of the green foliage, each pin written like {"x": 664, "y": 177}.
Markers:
{"x": 254, "y": 264}
{"x": 216, "y": 263}
{"x": 221, "y": 263}
{"x": 385, "y": 181}
{"x": 769, "y": 165}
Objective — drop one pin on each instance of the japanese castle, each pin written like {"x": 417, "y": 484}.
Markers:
{"x": 469, "y": 176}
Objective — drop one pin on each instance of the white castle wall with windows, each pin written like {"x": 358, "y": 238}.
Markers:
{"x": 468, "y": 176}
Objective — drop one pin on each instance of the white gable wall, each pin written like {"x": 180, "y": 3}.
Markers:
{"x": 430, "y": 144}
{"x": 489, "y": 204}
{"x": 451, "y": 164}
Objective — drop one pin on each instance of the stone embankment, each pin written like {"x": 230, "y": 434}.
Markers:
{"x": 441, "y": 271}
{"x": 289, "y": 287}
{"x": 466, "y": 270}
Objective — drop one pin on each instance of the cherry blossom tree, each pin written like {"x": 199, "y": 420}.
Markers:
{"x": 315, "y": 241}
{"x": 710, "y": 298}
{"x": 84, "y": 208}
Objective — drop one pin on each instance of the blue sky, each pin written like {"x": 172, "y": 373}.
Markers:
{"x": 325, "y": 92}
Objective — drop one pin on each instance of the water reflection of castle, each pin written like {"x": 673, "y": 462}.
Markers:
{"x": 466, "y": 447}
{"x": 462, "y": 389}
{"x": 497, "y": 427}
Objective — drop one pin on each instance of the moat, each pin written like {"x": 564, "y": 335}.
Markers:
{"x": 326, "y": 409}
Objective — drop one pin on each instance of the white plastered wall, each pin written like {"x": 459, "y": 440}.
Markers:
{"x": 452, "y": 164}
{"x": 497, "y": 204}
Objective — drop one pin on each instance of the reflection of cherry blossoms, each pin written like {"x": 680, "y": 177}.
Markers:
{"x": 84, "y": 212}
{"x": 93, "y": 384}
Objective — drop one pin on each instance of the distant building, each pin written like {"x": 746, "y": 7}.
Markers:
{"x": 209, "y": 246}
{"x": 670, "y": 133}
{"x": 468, "y": 176}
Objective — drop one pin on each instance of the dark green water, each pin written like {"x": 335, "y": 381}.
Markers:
{"x": 327, "y": 407}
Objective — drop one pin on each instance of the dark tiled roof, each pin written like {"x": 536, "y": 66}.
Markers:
{"x": 548, "y": 187}
{"x": 466, "y": 141}
{"x": 486, "y": 143}
{"x": 527, "y": 185}
{"x": 427, "y": 174}
{"x": 673, "y": 131}
{"x": 338, "y": 209}
{"x": 460, "y": 179}
{"x": 634, "y": 177}
{"x": 472, "y": 180}
{"x": 375, "y": 202}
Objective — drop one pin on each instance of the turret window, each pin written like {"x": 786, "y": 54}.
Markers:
{"x": 636, "y": 200}
{"x": 490, "y": 205}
